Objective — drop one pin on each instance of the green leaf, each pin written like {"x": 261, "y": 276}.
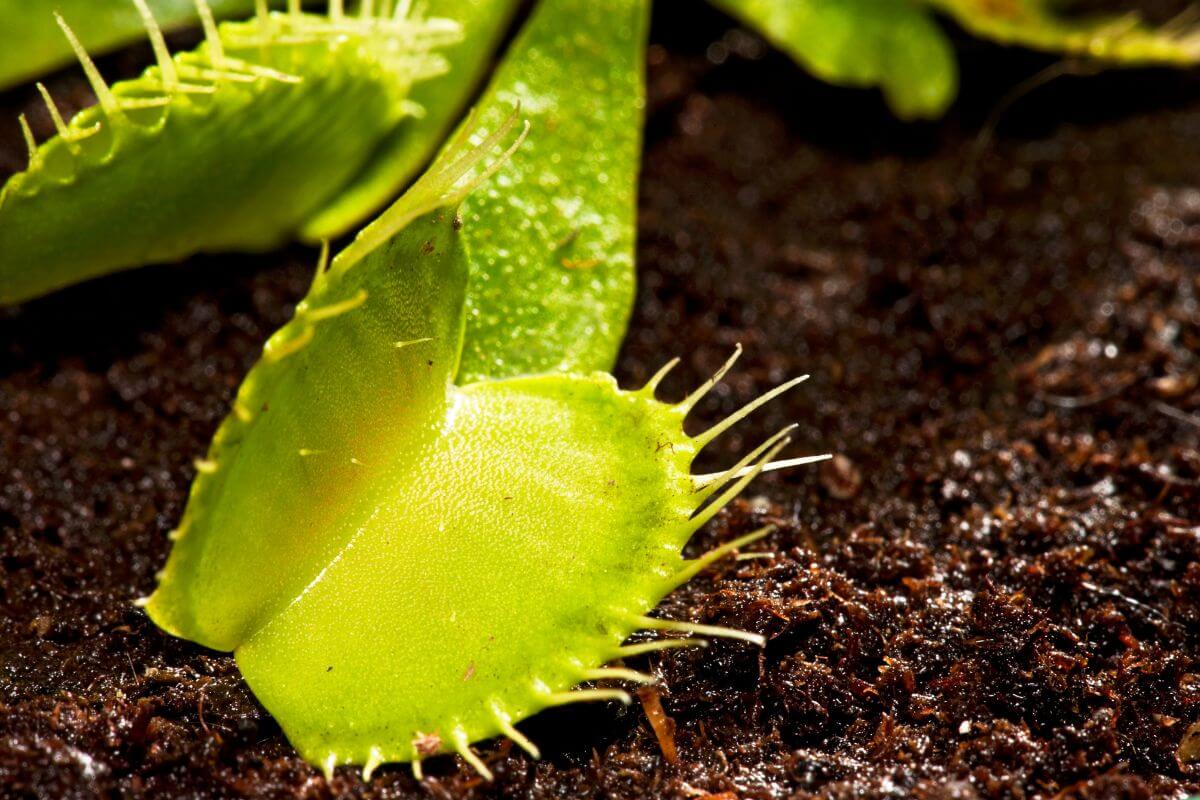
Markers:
{"x": 223, "y": 148}
{"x": 1116, "y": 40}
{"x": 401, "y": 157}
{"x": 551, "y": 241}
{"x": 32, "y": 45}
{"x": 896, "y": 45}
{"x": 892, "y": 44}
{"x": 403, "y": 565}
{"x": 356, "y": 380}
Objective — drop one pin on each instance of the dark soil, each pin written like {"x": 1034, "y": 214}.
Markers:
{"x": 994, "y": 591}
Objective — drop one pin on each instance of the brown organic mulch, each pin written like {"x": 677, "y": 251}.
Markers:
{"x": 993, "y": 591}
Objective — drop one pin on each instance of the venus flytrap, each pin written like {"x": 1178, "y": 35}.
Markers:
{"x": 408, "y": 554}
{"x": 232, "y": 146}
{"x": 404, "y": 562}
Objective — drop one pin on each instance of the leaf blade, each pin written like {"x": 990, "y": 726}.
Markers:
{"x": 890, "y": 44}
{"x": 553, "y": 269}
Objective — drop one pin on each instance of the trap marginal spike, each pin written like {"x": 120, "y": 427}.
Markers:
{"x": 690, "y": 401}
{"x": 589, "y": 696}
{"x": 746, "y": 410}
{"x": 458, "y": 174}
{"x": 135, "y": 103}
{"x": 716, "y": 631}
{"x": 248, "y": 69}
{"x": 770, "y": 466}
{"x": 374, "y": 762}
{"x": 504, "y": 722}
{"x": 707, "y": 485}
{"x": 217, "y": 76}
{"x": 402, "y": 344}
{"x": 242, "y": 412}
{"x": 27, "y": 133}
{"x": 696, "y": 566}
{"x": 652, "y": 385}
{"x": 162, "y": 54}
{"x": 205, "y": 466}
{"x": 466, "y": 188}
{"x": 657, "y": 645}
{"x": 618, "y": 674}
{"x": 322, "y": 261}
{"x": 59, "y": 124}
{"x": 212, "y": 37}
{"x": 462, "y": 746}
{"x": 337, "y": 309}
{"x": 701, "y": 518}
{"x": 462, "y": 156}
{"x": 103, "y": 93}
{"x": 277, "y": 350}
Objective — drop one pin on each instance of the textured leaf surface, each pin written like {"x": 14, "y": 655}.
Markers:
{"x": 892, "y": 44}
{"x": 239, "y": 163}
{"x": 418, "y": 138}
{"x": 551, "y": 239}
{"x": 404, "y": 566}
{"x": 315, "y": 432}
{"x": 510, "y": 557}
{"x": 31, "y": 43}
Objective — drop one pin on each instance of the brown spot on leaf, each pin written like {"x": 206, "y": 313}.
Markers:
{"x": 427, "y": 744}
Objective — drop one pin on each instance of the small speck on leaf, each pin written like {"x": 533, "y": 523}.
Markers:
{"x": 427, "y": 744}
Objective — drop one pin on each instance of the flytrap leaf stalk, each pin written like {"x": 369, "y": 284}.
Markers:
{"x": 233, "y": 146}
{"x": 406, "y": 553}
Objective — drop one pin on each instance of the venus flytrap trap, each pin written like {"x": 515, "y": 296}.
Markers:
{"x": 404, "y": 564}
{"x": 897, "y": 46}
{"x": 232, "y": 146}
{"x": 471, "y": 545}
